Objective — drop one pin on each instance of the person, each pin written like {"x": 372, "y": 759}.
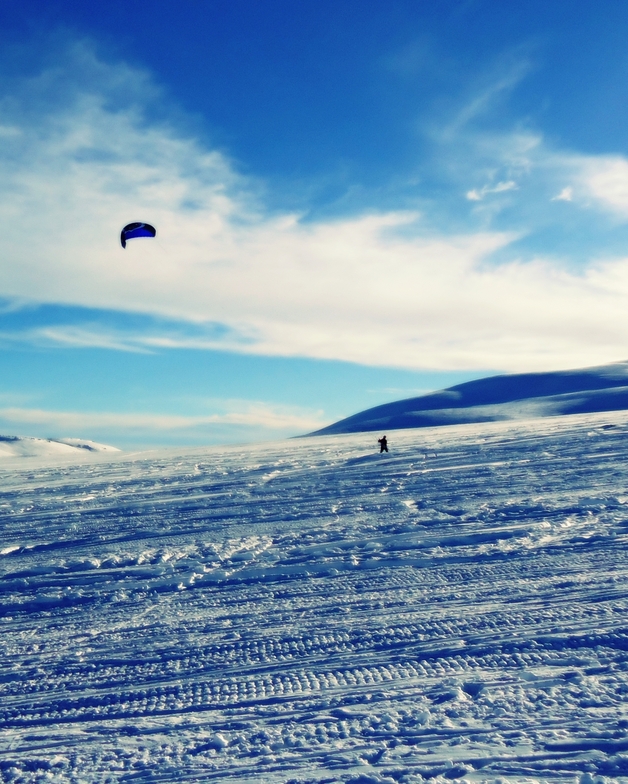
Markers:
{"x": 383, "y": 444}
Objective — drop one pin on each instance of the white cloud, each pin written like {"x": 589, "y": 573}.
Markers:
{"x": 377, "y": 288}
{"x": 600, "y": 181}
{"x": 605, "y": 178}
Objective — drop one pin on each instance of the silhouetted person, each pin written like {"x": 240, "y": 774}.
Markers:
{"x": 383, "y": 444}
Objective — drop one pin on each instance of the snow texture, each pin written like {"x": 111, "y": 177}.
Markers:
{"x": 313, "y": 611}
{"x": 515, "y": 396}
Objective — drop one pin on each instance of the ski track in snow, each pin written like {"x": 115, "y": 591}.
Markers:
{"x": 312, "y": 611}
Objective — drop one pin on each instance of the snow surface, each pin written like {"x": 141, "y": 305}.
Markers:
{"x": 63, "y": 448}
{"x": 313, "y": 611}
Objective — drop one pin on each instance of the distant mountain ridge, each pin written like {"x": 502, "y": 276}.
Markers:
{"x": 514, "y": 396}
{"x": 27, "y": 446}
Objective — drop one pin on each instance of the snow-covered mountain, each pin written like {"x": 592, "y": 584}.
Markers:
{"x": 25, "y": 446}
{"x": 516, "y": 396}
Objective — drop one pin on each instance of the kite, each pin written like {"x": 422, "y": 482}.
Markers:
{"x": 132, "y": 230}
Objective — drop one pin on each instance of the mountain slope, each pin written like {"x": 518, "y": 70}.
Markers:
{"x": 25, "y": 446}
{"x": 517, "y": 396}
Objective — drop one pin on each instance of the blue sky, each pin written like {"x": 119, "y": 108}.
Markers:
{"x": 355, "y": 202}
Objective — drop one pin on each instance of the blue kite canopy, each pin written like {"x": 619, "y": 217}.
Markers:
{"x": 132, "y": 230}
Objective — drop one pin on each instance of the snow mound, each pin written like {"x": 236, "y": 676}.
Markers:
{"x": 25, "y": 446}
{"x": 499, "y": 398}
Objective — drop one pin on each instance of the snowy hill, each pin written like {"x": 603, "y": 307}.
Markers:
{"x": 517, "y": 396}
{"x": 313, "y": 611}
{"x": 64, "y": 448}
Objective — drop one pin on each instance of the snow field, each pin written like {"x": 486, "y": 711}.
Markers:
{"x": 312, "y": 611}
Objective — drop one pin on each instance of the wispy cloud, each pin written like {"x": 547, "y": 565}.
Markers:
{"x": 243, "y": 413}
{"x": 46, "y": 325}
{"x": 489, "y": 89}
{"x": 565, "y": 195}
{"x": 380, "y": 288}
{"x": 500, "y": 187}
